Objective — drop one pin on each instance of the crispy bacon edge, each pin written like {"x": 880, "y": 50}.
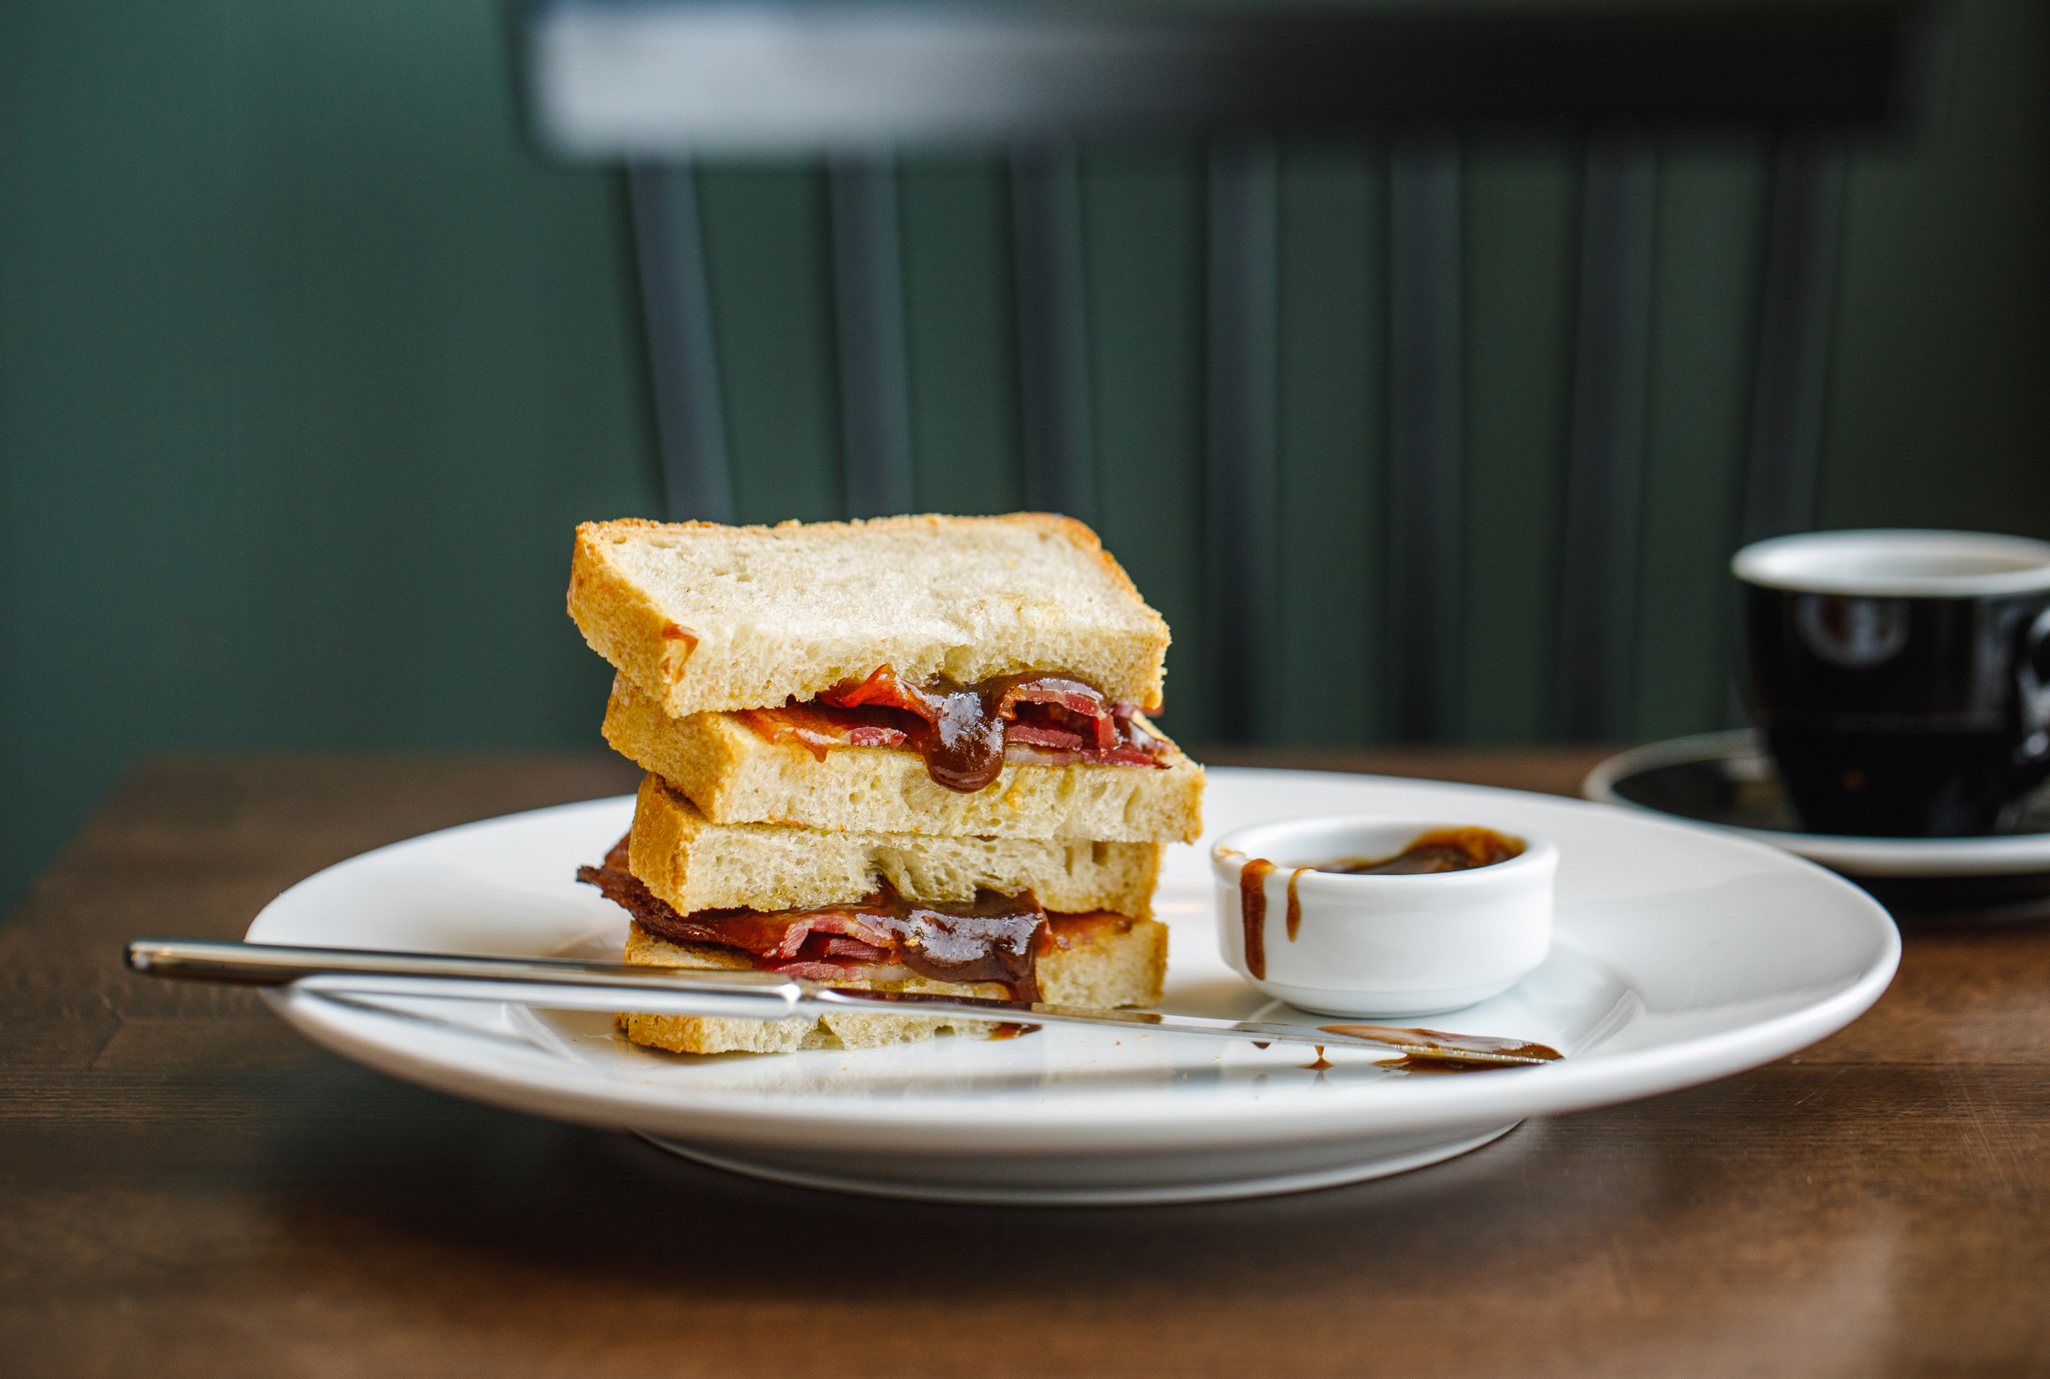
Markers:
{"x": 833, "y": 943}
{"x": 1076, "y": 723}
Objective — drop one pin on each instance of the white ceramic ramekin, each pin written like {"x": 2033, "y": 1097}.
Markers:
{"x": 1380, "y": 945}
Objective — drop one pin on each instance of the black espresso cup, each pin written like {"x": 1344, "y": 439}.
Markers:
{"x": 1902, "y": 678}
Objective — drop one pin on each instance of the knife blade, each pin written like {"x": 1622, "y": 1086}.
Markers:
{"x": 574, "y": 984}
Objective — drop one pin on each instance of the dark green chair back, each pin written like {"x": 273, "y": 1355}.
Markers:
{"x": 1427, "y": 436}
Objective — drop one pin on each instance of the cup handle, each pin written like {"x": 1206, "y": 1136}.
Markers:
{"x": 2033, "y": 692}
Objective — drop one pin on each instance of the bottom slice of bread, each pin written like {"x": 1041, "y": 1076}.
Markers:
{"x": 1116, "y": 967}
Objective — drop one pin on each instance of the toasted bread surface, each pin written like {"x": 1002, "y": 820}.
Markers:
{"x": 705, "y": 617}
{"x": 694, "y": 864}
{"x": 733, "y": 775}
{"x": 1114, "y": 969}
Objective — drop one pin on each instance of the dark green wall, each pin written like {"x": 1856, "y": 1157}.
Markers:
{"x": 307, "y": 367}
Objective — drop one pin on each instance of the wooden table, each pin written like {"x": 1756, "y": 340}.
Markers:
{"x": 187, "y": 1187}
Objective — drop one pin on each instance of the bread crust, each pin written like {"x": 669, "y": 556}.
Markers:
{"x": 681, "y": 610}
{"x": 693, "y": 864}
{"x": 1113, "y": 969}
{"x": 733, "y": 775}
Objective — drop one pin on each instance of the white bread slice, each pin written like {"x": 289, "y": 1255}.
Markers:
{"x": 733, "y": 775}
{"x": 703, "y": 616}
{"x": 694, "y": 864}
{"x": 1113, "y": 969}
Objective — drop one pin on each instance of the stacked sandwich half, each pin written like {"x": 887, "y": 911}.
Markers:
{"x": 903, "y": 755}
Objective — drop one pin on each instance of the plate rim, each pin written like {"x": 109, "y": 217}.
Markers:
{"x": 574, "y": 1092}
{"x": 2014, "y": 854}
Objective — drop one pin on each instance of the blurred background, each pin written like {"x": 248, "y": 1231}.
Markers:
{"x": 309, "y": 363}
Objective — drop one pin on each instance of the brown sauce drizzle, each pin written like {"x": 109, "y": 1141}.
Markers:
{"x": 1447, "y": 849}
{"x": 964, "y": 748}
{"x": 961, "y": 730}
{"x": 1253, "y": 911}
{"x": 1453, "y": 1044}
{"x": 1427, "y": 1067}
{"x": 995, "y": 938}
{"x": 1320, "y": 1065}
{"x": 1295, "y": 908}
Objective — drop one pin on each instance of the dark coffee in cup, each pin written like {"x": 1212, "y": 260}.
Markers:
{"x": 1902, "y": 678}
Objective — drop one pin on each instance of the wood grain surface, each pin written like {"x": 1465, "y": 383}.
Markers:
{"x": 187, "y": 1187}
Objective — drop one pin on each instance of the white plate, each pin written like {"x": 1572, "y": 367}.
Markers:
{"x": 1683, "y": 954}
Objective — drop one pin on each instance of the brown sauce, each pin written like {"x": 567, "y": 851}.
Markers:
{"x": 1011, "y": 1029}
{"x": 963, "y": 731}
{"x": 1320, "y": 1065}
{"x": 964, "y": 747}
{"x": 1453, "y": 1044}
{"x": 1253, "y": 912}
{"x": 1295, "y": 906}
{"x": 995, "y": 938}
{"x": 1447, "y": 849}
{"x": 1429, "y": 1067}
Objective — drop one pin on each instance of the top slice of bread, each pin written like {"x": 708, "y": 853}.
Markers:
{"x": 703, "y": 617}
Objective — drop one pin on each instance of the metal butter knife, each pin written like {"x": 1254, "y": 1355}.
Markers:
{"x": 569, "y": 984}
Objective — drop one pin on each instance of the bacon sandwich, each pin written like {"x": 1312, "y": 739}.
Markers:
{"x": 910, "y": 754}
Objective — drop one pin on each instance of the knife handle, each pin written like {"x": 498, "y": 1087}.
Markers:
{"x": 560, "y": 983}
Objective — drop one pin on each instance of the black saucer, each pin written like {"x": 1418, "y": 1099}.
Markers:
{"x": 1726, "y": 779}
